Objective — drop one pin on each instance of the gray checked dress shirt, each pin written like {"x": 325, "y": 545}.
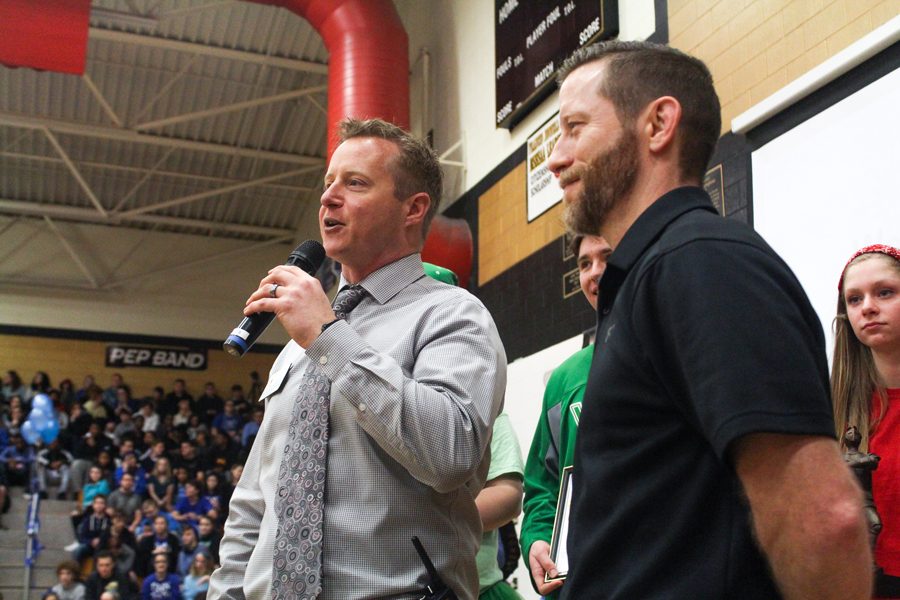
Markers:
{"x": 417, "y": 376}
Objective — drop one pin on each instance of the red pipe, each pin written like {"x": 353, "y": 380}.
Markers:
{"x": 368, "y": 76}
{"x": 368, "y": 73}
{"x": 449, "y": 244}
{"x": 368, "y": 70}
{"x": 48, "y": 35}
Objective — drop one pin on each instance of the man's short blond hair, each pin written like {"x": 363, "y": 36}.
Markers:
{"x": 416, "y": 168}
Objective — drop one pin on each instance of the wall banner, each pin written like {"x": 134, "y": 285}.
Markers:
{"x": 543, "y": 191}
{"x": 190, "y": 359}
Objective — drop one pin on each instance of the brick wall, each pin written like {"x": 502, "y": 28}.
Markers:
{"x": 504, "y": 228}
{"x": 756, "y": 47}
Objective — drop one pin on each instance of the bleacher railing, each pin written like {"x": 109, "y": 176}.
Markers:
{"x": 32, "y": 543}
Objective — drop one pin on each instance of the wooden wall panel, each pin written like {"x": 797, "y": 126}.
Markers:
{"x": 73, "y": 359}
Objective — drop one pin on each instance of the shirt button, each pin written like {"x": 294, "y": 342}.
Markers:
{"x": 605, "y": 311}
{"x": 323, "y": 360}
{"x": 362, "y": 407}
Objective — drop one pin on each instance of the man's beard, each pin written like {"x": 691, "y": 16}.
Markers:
{"x": 605, "y": 182}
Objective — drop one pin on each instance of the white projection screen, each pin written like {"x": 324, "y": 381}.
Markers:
{"x": 830, "y": 186}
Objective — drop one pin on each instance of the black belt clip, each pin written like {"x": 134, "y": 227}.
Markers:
{"x": 436, "y": 588}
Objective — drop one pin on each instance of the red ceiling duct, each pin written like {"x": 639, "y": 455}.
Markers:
{"x": 368, "y": 76}
{"x": 368, "y": 70}
{"x": 50, "y": 35}
{"x": 449, "y": 244}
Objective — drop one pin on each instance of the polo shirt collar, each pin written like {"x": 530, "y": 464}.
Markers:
{"x": 648, "y": 227}
{"x": 389, "y": 280}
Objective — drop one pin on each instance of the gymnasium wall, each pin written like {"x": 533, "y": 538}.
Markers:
{"x": 68, "y": 355}
{"x": 753, "y": 48}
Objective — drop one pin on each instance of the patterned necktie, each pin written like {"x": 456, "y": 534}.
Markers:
{"x": 300, "y": 502}
{"x": 347, "y": 299}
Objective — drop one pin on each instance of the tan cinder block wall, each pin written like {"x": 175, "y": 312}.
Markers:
{"x": 505, "y": 236}
{"x": 756, "y": 47}
{"x": 753, "y": 48}
{"x": 73, "y": 359}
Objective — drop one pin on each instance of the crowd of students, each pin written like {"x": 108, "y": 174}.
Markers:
{"x": 154, "y": 478}
{"x": 151, "y": 478}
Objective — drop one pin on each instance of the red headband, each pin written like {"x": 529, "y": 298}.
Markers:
{"x": 873, "y": 249}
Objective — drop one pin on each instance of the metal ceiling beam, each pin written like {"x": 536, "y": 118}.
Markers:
{"x": 124, "y": 135}
{"x": 28, "y": 285}
{"x": 122, "y": 18}
{"x": 15, "y": 142}
{"x": 86, "y": 215}
{"x": 199, "y": 261}
{"x": 180, "y": 12}
{"x": 225, "y": 211}
{"x": 117, "y": 283}
{"x": 12, "y": 221}
{"x": 210, "y": 193}
{"x": 144, "y": 179}
{"x": 293, "y": 64}
{"x": 72, "y": 253}
{"x": 98, "y": 95}
{"x": 226, "y": 108}
{"x": 165, "y": 88}
{"x": 318, "y": 105}
{"x": 160, "y": 172}
{"x": 75, "y": 173}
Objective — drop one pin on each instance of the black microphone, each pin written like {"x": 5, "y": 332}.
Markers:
{"x": 308, "y": 256}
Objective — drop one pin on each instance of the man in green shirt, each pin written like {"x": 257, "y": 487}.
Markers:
{"x": 553, "y": 445}
{"x": 500, "y": 500}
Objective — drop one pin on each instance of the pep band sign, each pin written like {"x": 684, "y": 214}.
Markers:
{"x": 156, "y": 358}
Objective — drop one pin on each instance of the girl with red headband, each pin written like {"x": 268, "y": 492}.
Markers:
{"x": 865, "y": 385}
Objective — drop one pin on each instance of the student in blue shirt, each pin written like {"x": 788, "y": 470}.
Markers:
{"x": 161, "y": 585}
{"x": 190, "y": 508}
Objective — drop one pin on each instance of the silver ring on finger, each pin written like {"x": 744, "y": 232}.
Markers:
{"x": 272, "y": 290}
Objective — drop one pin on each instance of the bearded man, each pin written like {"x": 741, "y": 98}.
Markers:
{"x": 705, "y": 464}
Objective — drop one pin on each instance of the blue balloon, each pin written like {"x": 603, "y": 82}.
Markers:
{"x": 42, "y": 403}
{"x": 50, "y": 432}
{"x": 39, "y": 419}
{"x": 30, "y": 432}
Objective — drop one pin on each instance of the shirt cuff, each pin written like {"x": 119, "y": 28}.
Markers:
{"x": 334, "y": 348}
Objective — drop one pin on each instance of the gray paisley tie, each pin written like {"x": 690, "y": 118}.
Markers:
{"x": 300, "y": 501}
{"x": 347, "y": 299}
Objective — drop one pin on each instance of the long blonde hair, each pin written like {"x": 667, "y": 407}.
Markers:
{"x": 207, "y": 570}
{"x": 854, "y": 378}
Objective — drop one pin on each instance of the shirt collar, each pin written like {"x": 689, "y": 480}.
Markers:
{"x": 386, "y": 282}
{"x": 648, "y": 227}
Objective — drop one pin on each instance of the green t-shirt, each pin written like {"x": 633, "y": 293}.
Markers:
{"x": 506, "y": 459}
{"x": 553, "y": 448}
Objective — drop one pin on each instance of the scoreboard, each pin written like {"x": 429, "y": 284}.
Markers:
{"x": 533, "y": 38}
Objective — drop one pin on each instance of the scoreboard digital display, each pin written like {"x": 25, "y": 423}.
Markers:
{"x": 533, "y": 38}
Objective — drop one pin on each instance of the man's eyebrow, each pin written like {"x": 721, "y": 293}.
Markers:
{"x": 345, "y": 174}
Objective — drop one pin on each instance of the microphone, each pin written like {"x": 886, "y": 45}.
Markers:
{"x": 308, "y": 256}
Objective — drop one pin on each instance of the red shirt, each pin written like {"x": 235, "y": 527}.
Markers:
{"x": 885, "y": 442}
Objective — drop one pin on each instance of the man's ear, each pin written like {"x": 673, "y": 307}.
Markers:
{"x": 417, "y": 208}
{"x": 660, "y": 124}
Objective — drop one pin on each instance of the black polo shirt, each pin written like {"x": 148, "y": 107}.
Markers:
{"x": 704, "y": 335}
